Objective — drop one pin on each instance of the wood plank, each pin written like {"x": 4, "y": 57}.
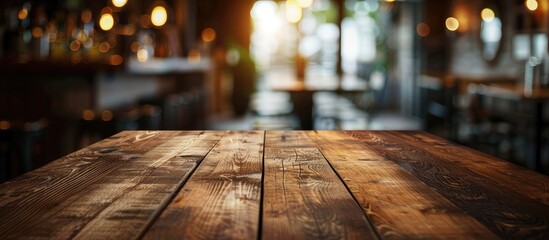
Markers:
{"x": 33, "y": 197}
{"x": 398, "y": 204}
{"x": 503, "y": 211}
{"x": 21, "y": 187}
{"x": 304, "y": 198}
{"x": 123, "y": 202}
{"x": 221, "y": 200}
{"x": 506, "y": 174}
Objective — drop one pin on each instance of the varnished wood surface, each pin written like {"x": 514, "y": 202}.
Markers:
{"x": 276, "y": 185}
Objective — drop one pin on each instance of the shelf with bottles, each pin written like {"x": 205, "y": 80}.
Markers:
{"x": 87, "y": 32}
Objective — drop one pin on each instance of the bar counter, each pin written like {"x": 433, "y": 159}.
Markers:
{"x": 276, "y": 185}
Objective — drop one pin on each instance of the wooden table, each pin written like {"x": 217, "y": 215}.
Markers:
{"x": 276, "y": 185}
{"x": 302, "y": 91}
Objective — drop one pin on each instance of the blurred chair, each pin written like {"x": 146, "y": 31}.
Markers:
{"x": 438, "y": 105}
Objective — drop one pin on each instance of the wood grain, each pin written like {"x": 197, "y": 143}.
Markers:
{"x": 122, "y": 202}
{"x": 505, "y": 174}
{"x": 506, "y": 213}
{"x": 221, "y": 200}
{"x": 304, "y": 198}
{"x": 399, "y": 205}
{"x": 276, "y": 185}
{"x": 33, "y": 197}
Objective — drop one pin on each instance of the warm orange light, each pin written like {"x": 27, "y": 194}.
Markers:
{"x": 532, "y": 5}
{"x": 119, "y": 3}
{"x": 106, "y": 115}
{"x": 159, "y": 16}
{"x": 423, "y": 30}
{"x": 452, "y": 24}
{"x": 106, "y": 22}
{"x": 305, "y": 3}
{"x": 116, "y": 60}
{"x": 86, "y": 16}
{"x": 134, "y": 46}
{"x": 37, "y": 32}
{"x": 88, "y": 115}
{"x": 23, "y": 13}
{"x": 293, "y": 11}
{"x": 74, "y": 45}
{"x": 389, "y": 0}
{"x": 4, "y": 125}
{"x": 104, "y": 47}
{"x": 208, "y": 35}
{"x": 487, "y": 15}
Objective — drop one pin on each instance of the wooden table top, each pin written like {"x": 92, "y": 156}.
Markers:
{"x": 276, "y": 185}
{"x": 514, "y": 92}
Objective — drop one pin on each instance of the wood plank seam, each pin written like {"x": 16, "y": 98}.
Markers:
{"x": 398, "y": 204}
{"x": 378, "y": 236}
{"x": 221, "y": 198}
{"x": 304, "y": 198}
{"x": 169, "y": 199}
{"x": 262, "y": 192}
{"x": 93, "y": 149}
{"x": 479, "y": 202}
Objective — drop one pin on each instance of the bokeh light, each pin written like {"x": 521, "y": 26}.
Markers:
{"x": 106, "y": 22}
{"x": 532, "y": 5}
{"x": 487, "y": 15}
{"x": 452, "y": 24}
{"x": 142, "y": 55}
{"x": 104, "y": 47}
{"x": 86, "y": 15}
{"x": 23, "y": 13}
{"x": 208, "y": 35}
{"x": 293, "y": 11}
{"x": 116, "y": 60}
{"x": 423, "y": 29}
{"x": 305, "y": 3}
{"x": 159, "y": 16}
{"x": 119, "y": 3}
{"x": 106, "y": 115}
{"x": 88, "y": 115}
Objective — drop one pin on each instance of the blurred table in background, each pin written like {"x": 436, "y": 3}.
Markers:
{"x": 303, "y": 90}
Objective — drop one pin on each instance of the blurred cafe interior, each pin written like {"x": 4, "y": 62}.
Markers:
{"x": 73, "y": 72}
